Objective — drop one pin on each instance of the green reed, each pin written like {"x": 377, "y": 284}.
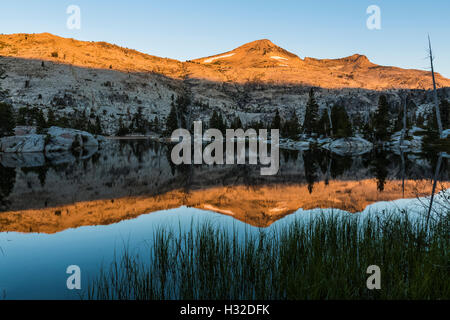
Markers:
{"x": 321, "y": 258}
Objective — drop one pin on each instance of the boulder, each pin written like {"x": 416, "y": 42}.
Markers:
{"x": 23, "y": 144}
{"x": 63, "y": 139}
{"x": 349, "y": 146}
{"x": 24, "y": 130}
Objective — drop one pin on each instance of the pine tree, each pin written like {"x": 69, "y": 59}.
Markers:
{"x": 221, "y": 123}
{"x": 139, "y": 123}
{"x": 358, "y": 122}
{"x": 177, "y": 116}
{"x": 311, "y": 122}
{"x": 381, "y": 120}
{"x": 291, "y": 128}
{"x": 172, "y": 121}
{"x": 324, "y": 124}
{"x": 214, "y": 120}
{"x": 7, "y": 121}
{"x": 41, "y": 124}
{"x": 367, "y": 128}
{"x": 21, "y": 116}
{"x": 156, "y": 124}
{"x": 276, "y": 121}
{"x": 51, "y": 119}
{"x": 236, "y": 124}
{"x": 341, "y": 122}
{"x": 445, "y": 113}
{"x": 122, "y": 131}
{"x": 181, "y": 108}
{"x": 81, "y": 122}
{"x": 432, "y": 125}
{"x": 218, "y": 122}
{"x": 98, "y": 126}
{"x": 294, "y": 127}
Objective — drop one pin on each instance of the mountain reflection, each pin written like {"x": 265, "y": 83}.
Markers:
{"x": 256, "y": 205}
{"x": 127, "y": 178}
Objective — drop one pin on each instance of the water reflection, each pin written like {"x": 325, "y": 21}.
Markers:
{"x": 258, "y": 206}
{"x": 81, "y": 209}
{"x": 379, "y": 166}
{"x": 8, "y": 178}
{"x": 127, "y": 178}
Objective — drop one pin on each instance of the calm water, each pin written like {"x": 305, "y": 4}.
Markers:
{"x": 81, "y": 209}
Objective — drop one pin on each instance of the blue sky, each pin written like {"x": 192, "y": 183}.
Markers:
{"x": 183, "y": 29}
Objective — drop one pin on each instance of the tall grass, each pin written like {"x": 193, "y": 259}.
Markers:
{"x": 322, "y": 258}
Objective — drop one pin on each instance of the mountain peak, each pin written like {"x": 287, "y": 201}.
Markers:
{"x": 258, "y": 53}
{"x": 262, "y": 43}
{"x": 355, "y": 60}
{"x": 263, "y": 46}
{"x": 359, "y": 58}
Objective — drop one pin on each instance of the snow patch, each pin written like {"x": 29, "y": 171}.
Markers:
{"x": 279, "y": 58}
{"x": 213, "y": 208}
{"x": 219, "y": 57}
{"x": 278, "y": 209}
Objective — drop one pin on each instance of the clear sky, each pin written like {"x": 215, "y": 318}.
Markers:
{"x": 187, "y": 29}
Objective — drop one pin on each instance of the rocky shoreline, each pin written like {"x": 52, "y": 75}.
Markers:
{"x": 55, "y": 139}
{"x": 58, "y": 145}
{"x": 58, "y": 140}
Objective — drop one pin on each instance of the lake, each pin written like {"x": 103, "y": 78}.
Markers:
{"x": 82, "y": 209}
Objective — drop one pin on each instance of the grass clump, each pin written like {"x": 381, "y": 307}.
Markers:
{"x": 321, "y": 258}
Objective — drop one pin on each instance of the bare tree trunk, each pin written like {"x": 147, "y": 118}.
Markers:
{"x": 402, "y": 137}
{"x": 436, "y": 101}
{"x": 329, "y": 119}
{"x": 405, "y": 113}
{"x": 402, "y": 155}
{"x": 433, "y": 191}
{"x": 189, "y": 120}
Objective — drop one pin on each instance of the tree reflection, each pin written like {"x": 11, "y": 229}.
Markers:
{"x": 340, "y": 164}
{"x": 7, "y": 181}
{"x": 40, "y": 171}
{"x": 311, "y": 167}
{"x": 379, "y": 168}
{"x": 289, "y": 155}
